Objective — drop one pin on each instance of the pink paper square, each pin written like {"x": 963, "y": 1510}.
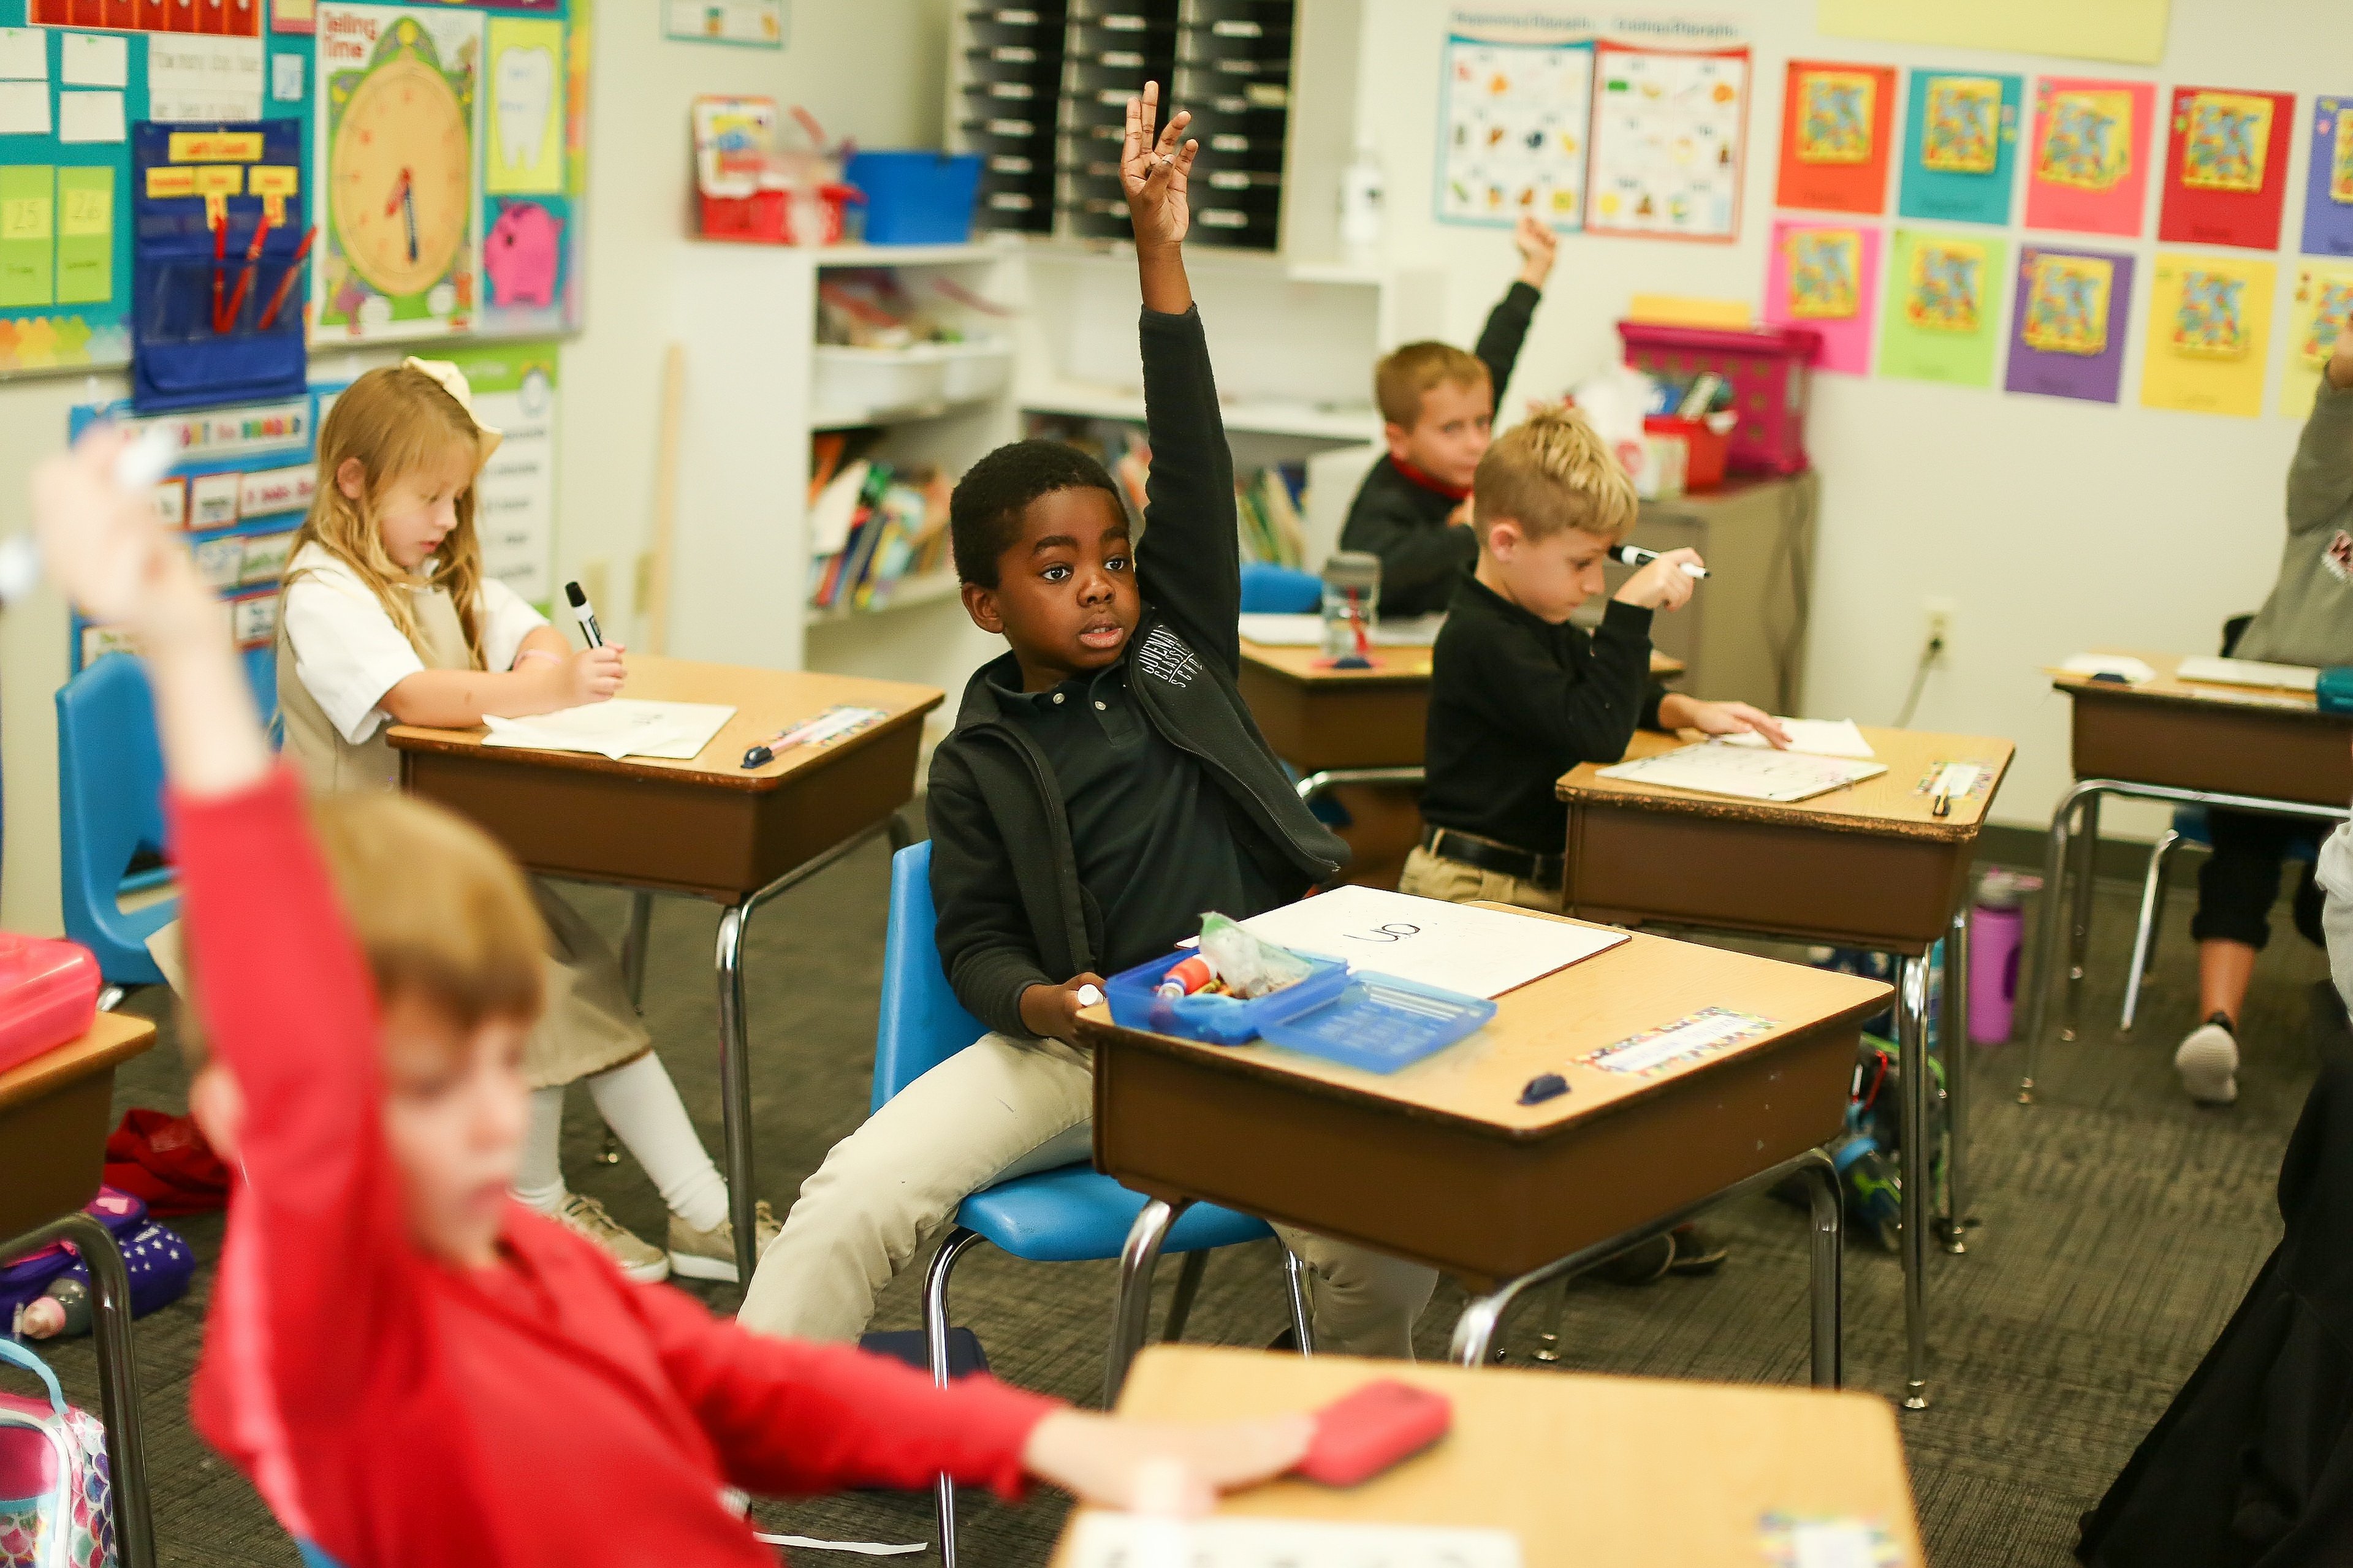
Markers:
{"x": 1846, "y": 339}
{"x": 2056, "y": 205}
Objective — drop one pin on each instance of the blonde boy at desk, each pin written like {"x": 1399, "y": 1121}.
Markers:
{"x": 2308, "y": 619}
{"x": 1437, "y": 411}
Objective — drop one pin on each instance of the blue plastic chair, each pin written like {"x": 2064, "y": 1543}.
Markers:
{"x": 2190, "y": 826}
{"x": 1279, "y": 590}
{"x": 1069, "y": 1215}
{"x": 109, "y": 808}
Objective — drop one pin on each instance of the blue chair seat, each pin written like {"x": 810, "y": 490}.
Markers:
{"x": 1077, "y": 1214}
{"x": 1271, "y": 590}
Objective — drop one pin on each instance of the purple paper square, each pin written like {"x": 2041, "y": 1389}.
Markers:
{"x": 2095, "y": 377}
{"x": 2328, "y": 222}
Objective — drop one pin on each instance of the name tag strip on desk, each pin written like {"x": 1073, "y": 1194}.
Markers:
{"x": 1744, "y": 774}
{"x": 1132, "y": 1541}
{"x": 1792, "y": 1542}
{"x": 1702, "y": 1034}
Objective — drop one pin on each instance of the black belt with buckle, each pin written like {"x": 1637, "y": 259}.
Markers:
{"x": 1542, "y": 871}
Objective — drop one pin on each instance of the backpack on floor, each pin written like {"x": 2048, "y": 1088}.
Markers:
{"x": 55, "y": 1508}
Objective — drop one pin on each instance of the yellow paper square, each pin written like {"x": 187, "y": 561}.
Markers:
{"x": 2318, "y": 306}
{"x": 1947, "y": 289}
{"x": 2340, "y": 167}
{"x": 2209, "y": 334}
{"x": 2086, "y": 140}
{"x": 1963, "y": 132}
{"x": 1825, "y": 273}
{"x": 2228, "y": 139}
{"x": 2067, "y": 304}
{"x": 1834, "y": 116}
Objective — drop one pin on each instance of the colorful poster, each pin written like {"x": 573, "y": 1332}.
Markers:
{"x": 1961, "y": 147}
{"x": 399, "y": 89}
{"x": 27, "y": 234}
{"x": 2067, "y": 328}
{"x": 2328, "y": 182}
{"x": 526, "y": 109}
{"x": 1943, "y": 315}
{"x": 2209, "y": 334}
{"x": 85, "y": 235}
{"x": 2130, "y": 31}
{"x": 1669, "y": 129}
{"x": 759, "y": 24}
{"x": 1835, "y": 150}
{"x": 2087, "y": 155}
{"x": 1826, "y": 277}
{"x": 1513, "y": 130}
{"x": 2318, "y": 309}
{"x": 515, "y": 389}
{"x": 2226, "y": 167}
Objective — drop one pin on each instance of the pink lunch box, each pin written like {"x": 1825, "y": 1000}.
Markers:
{"x": 48, "y": 995}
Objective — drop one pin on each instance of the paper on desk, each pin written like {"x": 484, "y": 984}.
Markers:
{"x": 1815, "y": 737}
{"x": 2248, "y": 672}
{"x": 1745, "y": 774}
{"x": 1100, "y": 1538}
{"x": 859, "y": 1548}
{"x": 2124, "y": 664}
{"x": 1307, "y": 631}
{"x": 623, "y": 727}
{"x": 1480, "y": 952}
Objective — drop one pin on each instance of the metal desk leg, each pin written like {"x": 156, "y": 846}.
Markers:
{"x": 2079, "y": 925}
{"x": 735, "y": 1090}
{"x": 1827, "y": 1274}
{"x": 1912, "y": 1040}
{"x": 1953, "y": 1039}
{"x": 2045, "y": 958}
{"x": 633, "y": 976}
{"x": 1131, "y": 1317}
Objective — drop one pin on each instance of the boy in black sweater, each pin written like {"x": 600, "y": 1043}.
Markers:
{"x": 1438, "y": 413}
{"x": 1104, "y": 785}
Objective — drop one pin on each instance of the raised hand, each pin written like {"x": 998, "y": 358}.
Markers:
{"x": 108, "y": 551}
{"x": 1152, "y": 171}
{"x": 1538, "y": 247}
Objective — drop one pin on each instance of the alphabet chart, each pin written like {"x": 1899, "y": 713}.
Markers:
{"x": 1515, "y": 128}
{"x": 1480, "y": 952}
{"x": 1670, "y": 128}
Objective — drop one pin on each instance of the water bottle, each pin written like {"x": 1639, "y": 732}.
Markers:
{"x": 1352, "y": 591}
{"x": 1997, "y": 938}
{"x": 1362, "y": 197}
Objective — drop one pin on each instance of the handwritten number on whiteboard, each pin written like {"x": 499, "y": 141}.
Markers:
{"x": 1397, "y": 931}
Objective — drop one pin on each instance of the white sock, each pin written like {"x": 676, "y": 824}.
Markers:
{"x": 539, "y": 1177}
{"x": 641, "y": 1105}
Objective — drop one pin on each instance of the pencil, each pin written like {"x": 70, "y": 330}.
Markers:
{"x": 285, "y": 284}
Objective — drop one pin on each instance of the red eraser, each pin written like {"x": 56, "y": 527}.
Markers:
{"x": 1364, "y": 1434}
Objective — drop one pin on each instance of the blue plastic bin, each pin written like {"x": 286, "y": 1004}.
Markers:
{"x": 1380, "y": 1023}
{"x": 917, "y": 197}
{"x": 1218, "y": 1020}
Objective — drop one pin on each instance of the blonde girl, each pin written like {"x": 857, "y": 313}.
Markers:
{"x": 387, "y": 619}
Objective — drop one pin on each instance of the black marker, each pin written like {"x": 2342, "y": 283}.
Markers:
{"x": 585, "y": 613}
{"x": 1635, "y": 555}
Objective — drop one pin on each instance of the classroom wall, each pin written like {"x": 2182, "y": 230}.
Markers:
{"x": 871, "y": 71}
{"x": 2055, "y": 525}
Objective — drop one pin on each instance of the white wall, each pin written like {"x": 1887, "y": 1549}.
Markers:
{"x": 2056, "y": 525}
{"x": 871, "y": 71}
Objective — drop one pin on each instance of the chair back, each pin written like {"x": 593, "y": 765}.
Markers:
{"x": 1270, "y": 590}
{"x": 921, "y": 1023}
{"x": 109, "y": 807}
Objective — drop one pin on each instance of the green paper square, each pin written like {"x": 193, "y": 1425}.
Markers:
{"x": 1918, "y": 352}
{"x": 28, "y": 229}
{"x": 85, "y": 235}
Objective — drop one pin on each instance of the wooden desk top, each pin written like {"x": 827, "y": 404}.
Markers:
{"x": 1390, "y": 665}
{"x": 1593, "y": 1472}
{"x": 2169, "y": 687}
{"x": 113, "y": 1037}
{"x": 1547, "y": 1026}
{"x": 765, "y": 701}
{"x": 1897, "y": 802}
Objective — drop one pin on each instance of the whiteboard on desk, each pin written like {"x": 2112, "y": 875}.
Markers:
{"x": 1480, "y": 952}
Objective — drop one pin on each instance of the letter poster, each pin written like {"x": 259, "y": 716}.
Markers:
{"x": 1835, "y": 128}
{"x": 2067, "y": 328}
{"x": 2226, "y": 167}
{"x": 1826, "y": 276}
{"x": 2087, "y": 156}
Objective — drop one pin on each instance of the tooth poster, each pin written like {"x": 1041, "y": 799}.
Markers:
{"x": 525, "y": 155}
{"x": 2067, "y": 325}
{"x": 1669, "y": 132}
{"x": 514, "y": 500}
{"x": 2226, "y": 167}
{"x": 1513, "y": 132}
{"x": 1943, "y": 313}
{"x": 2209, "y": 334}
{"x": 1835, "y": 122}
{"x": 1961, "y": 147}
{"x": 2328, "y": 181}
{"x": 2088, "y": 153}
{"x": 1826, "y": 277}
{"x": 2320, "y": 307}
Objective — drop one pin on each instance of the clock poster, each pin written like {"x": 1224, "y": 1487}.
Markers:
{"x": 398, "y": 255}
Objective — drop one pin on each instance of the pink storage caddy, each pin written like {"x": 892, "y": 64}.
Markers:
{"x": 48, "y": 995}
{"x": 1766, "y": 368}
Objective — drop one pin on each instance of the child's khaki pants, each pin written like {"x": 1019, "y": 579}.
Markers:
{"x": 1427, "y": 876}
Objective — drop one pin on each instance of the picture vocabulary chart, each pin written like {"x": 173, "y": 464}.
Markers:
{"x": 1961, "y": 147}
{"x": 1826, "y": 277}
{"x": 1670, "y": 129}
{"x": 2087, "y": 157}
{"x": 1942, "y": 319}
{"x": 2226, "y": 167}
{"x": 2067, "y": 326}
{"x": 2210, "y": 332}
{"x": 2319, "y": 304}
{"x": 1834, "y": 137}
{"x": 1513, "y": 130}
{"x": 2328, "y": 181}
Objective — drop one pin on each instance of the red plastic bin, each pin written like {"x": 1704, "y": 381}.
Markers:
{"x": 48, "y": 995}
{"x": 1766, "y": 368}
{"x": 1708, "y": 450}
{"x": 760, "y": 216}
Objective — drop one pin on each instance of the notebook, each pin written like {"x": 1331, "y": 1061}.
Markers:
{"x": 1744, "y": 772}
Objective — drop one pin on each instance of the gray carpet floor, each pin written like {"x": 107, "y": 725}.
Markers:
{"x": 2120, "y": 1226}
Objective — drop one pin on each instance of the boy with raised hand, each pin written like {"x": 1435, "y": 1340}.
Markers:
{"x": 1104, "y": 787}
{"x": 1438, "y": 415}
{"x": 412, "y": 1368}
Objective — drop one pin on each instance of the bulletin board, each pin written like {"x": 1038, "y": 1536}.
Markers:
{"x": 503, "y": 221}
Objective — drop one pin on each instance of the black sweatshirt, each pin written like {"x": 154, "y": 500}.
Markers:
{"x": 1515, "y": 702}
{"x": 1005, "y": 872}
{"x": 1404, "y": 521}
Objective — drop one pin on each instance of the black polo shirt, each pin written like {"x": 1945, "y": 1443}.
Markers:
{"x": 1159, "y": 844}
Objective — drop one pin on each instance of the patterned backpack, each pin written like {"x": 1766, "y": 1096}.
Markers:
{"x": 54, "y": 1510}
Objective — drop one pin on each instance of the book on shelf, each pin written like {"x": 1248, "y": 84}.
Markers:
{"x": 1267, "y": 508}
{"x": 873, "y": 527}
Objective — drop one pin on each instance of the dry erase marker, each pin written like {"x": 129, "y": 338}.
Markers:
{"x": 585, "y": 614}
{"x": 1090, "y": 998}
{"x": 137, "y": 467}
{"x": 1635, "y": 555}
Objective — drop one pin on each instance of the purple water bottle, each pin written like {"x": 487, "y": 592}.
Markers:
{"x": 1997, "y": 938}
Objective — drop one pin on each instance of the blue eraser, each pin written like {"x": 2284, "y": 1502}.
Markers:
{"x": 1544, "y": 1086}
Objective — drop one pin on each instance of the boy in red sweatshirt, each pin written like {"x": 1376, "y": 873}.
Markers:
{"x": 412, "y": 1368}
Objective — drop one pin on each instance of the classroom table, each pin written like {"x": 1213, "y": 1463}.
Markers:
{"x": 1438, "y": 1162}
{"x": 2234, "y": 748}
{"x": 708, "y": 828}
{"x": 1868, "y": 866}
{"x": 55, "y": 1111}
{"x": 1588, "y": 1471}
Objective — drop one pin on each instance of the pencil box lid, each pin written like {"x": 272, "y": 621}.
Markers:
{"x": 2333, "y": 689}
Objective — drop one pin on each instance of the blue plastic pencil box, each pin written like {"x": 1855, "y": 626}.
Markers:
{"x": 2334, "y": 689}
{"x": 1377, "y": 1022}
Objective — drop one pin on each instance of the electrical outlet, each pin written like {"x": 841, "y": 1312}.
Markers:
{"x": 1940, "y": 614}
{"x": 594, "y": 578}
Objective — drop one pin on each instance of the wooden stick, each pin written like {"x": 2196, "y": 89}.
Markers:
{"x": 656, "y": 608}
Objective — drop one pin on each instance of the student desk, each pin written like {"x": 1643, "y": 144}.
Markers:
{"x": 1588, "y": 1472}
{"x": 1439, "y": 1163}
{"x": 2236, "y": 748}
{"x": 1868, "y": 866}
{"x": 54, "y": 1114}
{"x": 708, "y": 827}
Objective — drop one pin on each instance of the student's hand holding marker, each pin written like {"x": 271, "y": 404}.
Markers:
{"x": 1052, "y": 1011}
{"x": 1124, "y": 1464}
{"x": 1663, "y": 584}
{"x": 1681, "y": 712}
{"x": 592, "y": 675}
{"x": 1539, "y": 246}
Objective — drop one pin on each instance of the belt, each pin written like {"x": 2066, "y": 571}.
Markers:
{"x": 1542, "y": 871}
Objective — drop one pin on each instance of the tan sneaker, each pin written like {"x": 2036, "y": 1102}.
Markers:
{"x": 710, "y": 1254}
{"x": 584, "y": 1216}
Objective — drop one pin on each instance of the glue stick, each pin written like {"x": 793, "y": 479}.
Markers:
{"x": 1187, "y": 977}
